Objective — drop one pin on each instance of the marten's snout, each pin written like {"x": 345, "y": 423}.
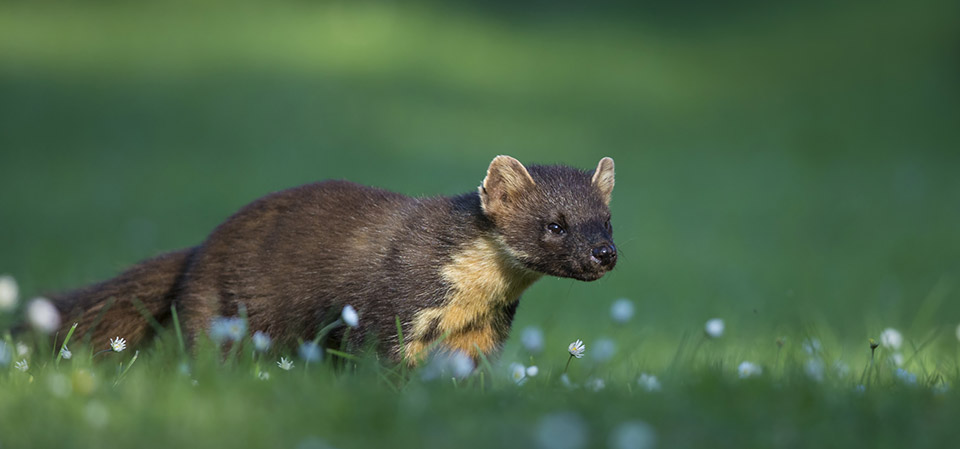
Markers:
{"x": 605, "y": 255}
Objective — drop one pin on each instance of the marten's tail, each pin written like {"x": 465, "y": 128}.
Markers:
{"x": 119, "y": 307}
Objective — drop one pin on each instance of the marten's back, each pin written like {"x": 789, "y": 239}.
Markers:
{"x": 296, "y": 257}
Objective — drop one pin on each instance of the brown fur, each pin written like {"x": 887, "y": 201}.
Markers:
{"x": 450, "y": 268}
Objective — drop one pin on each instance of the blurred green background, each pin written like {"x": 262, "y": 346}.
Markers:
{"x": 787, "y": 167}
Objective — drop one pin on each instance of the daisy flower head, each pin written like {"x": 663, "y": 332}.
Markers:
{"x": 577, "y": 349}
{"x": 814, "y": 368}
{"x": 43, "y": 315}
{"x": 532, "y": 339}
{"x": 447, "y": 364}
{"x": 532, "y": 371}
{"x": 595, "y": 384}
{"x": 749, "y": 369}
{"x": 261, "y": 341}
{"x": 518, "y": 373}
{"x": 263, "y": 375}
{"x": 22, "y": 349}
{"x": 891, "y": 338}
{"x": 228, "y": 328}
{"x": 461, "y": 365}
{"x": 622, "y": 310}
{"x": 118, "y": 344}
{"x": 349, "y": 315}
{"x": 22, "y": 365}
{"x": 714, "y": 328}
{"x": 285, "y": 364}
{"x": 9, "y": 292}
{"x": 649, "y": 382}
{"x": 65, "y": 352}
{"x": 310, "y": 352}
{"x": 603, "y": 349}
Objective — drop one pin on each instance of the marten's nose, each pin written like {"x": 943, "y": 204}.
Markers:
{"x": 605, "y": 254}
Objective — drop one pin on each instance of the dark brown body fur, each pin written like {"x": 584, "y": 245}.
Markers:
{"x": 295, "y": 258}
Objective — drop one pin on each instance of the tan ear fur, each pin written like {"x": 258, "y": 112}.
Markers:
{"x": 603, "y": 178}
{"x": 506, "y": 179}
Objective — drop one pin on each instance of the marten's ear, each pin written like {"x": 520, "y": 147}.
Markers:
{"x": 603, "y": 178}
{"x": 506, "y": 180}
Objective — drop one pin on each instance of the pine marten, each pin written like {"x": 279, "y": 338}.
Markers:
{"x": 445, "y": 266}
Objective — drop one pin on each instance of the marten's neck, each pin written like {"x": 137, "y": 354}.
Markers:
{"x": 485, "y": 284}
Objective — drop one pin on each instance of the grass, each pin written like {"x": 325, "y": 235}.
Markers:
{"x": 788, "y": 168}
{"x": 160, "y": 397}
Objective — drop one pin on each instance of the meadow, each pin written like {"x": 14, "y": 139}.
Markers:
{"x": 788, "y": 169}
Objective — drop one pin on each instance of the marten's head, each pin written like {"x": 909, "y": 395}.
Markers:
{"x": 553, "y": 219}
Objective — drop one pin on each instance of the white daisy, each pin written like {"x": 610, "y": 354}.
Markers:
{"x": 649, "y": 382}
{"x": 814, "y": 369}
{"x": 595, "y": 384}
{"x": 228, "y": 328}
{"x": 285, "y": 364}
{"x": 349, "y": 316}
{"x": 749, "y": 369}
{"x": 461, "y": 364}
{"x": 65, "y": 352}
{"x": 577, "y": 349}
{"x": 446, "y": 365}
{"x": 118, "y": 344}
{"x": 9, "y": 292}
{"x": 261, "y": 341}
{"x": 43, "y": 316}
{"x": 22, "y": 349}
{"x": 891, "y": 338}
{"x": 264, "y": 375}
{"x": 532, "y": 339}
{"x": 310, "y": 352}
{"x": 532, "y": 371}
{"x": 603, "y": 349}
{"x": 518, "y": 373}
{"x": 622, "y": 310}
{"x": 22, "y": 365}
{"x": 714, "y": 328}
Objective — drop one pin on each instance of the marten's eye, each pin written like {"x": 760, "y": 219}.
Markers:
{"x": 555, "y": 229}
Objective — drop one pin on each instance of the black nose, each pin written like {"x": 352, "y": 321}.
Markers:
{"x": 606, "y": 254}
